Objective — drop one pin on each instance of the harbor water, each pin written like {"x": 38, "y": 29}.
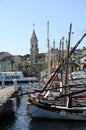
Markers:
{"x": 22, "y": 120}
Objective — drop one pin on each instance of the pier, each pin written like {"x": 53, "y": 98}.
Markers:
{"x": 7, "y": 102}
{"x": 5, "y": 94}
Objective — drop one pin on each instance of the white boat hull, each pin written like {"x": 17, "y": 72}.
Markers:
{"x": 36, "y": 112}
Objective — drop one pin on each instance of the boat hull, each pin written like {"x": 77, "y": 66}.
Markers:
{"x": 36, "y": 112}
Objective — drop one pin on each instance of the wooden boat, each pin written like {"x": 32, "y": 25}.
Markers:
{"x": 66, "y": 106}
{"x": 59, "y": 101}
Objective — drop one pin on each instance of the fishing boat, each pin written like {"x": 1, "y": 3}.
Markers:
{"x": 54, "y": 105}
{"x": 58, "y": 100}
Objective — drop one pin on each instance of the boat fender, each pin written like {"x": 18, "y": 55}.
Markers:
{"x": 84, "y": 113}
{"x": 62, "y": 113}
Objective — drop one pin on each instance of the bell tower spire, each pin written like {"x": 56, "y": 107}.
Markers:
{"x": 33, "y": 26}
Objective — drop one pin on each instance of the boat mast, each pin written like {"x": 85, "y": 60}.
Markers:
{"x": 48, "y": 45}
{"x": 54, "y": 54}
{"x": 68, "y": 52}
{"x": 65, "y": 62}
{"x": 62, "y": 58}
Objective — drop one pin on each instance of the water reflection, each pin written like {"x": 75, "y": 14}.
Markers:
{"x": 6, "y": 122}
{"x": 22, "y": 120}
{"x": 56, "y": 125}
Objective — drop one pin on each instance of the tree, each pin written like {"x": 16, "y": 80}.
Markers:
{"x": 20, "y": 67}
{"x": 12, "y": 64}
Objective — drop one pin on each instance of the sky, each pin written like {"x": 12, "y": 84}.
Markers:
{"x": 18, "y": 16}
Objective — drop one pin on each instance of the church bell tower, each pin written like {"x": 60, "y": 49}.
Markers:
{"x": 34, "y": 51}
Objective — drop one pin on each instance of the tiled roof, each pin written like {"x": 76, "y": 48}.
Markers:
{"x": 4, "y": 55}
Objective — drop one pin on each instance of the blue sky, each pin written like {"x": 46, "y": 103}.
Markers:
{"x": 17, "y": 18}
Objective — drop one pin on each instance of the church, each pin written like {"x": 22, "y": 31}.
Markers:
{"x": 34, "y": 50}
{"x": 35, "y": 57}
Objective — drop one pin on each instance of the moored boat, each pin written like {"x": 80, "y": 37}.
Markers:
{"x": 59, "y": 100}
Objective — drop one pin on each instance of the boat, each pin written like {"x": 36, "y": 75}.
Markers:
{"x": 52, "y": 104}
{"x": 9, "y": 77}
{"x": 77, "y": 75}
{"x": 58, "y": 100}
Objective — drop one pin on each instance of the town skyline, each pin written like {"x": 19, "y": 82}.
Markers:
{"x": 18, "y": 17}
